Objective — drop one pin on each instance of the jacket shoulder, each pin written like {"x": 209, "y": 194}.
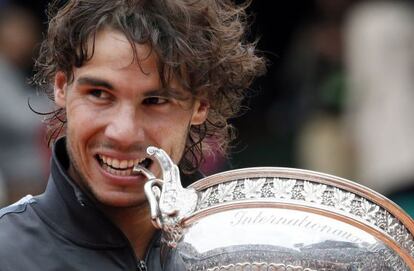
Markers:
{"x": 16, "y": 235}
{"x": 17, "y": 207}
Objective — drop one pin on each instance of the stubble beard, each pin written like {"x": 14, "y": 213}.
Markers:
{"x": 81, "y": 180}
{"x": 76, "y": 174}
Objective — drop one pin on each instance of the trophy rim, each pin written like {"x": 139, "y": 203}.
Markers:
{"x": 348, "y": 186}
{"x": 319, "y": 177}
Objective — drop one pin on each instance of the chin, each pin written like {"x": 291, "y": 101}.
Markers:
{"x": 120, "y": 200}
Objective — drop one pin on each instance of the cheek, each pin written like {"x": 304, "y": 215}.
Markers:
{"x": 82, "y": 118}
{"x": 173, "y": 135}
{"x": 82, "y": 126}
{"x": 76, "y": 139}
{"x": 168, "y": 124}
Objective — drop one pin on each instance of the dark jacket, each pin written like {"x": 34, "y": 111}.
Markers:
{"x": 63, "y": 230}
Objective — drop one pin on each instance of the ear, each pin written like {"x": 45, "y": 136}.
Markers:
{"x": 60, "y": 89}
{"x": 200, "y": 112}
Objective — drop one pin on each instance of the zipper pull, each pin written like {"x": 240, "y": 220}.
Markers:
{"x": 141, "y": 266}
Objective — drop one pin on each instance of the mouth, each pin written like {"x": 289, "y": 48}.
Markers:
{"x": 121, "y": 167}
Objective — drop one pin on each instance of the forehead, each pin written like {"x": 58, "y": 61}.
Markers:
{"x": 112, "y": 49}
{"x": 118, "y": 63}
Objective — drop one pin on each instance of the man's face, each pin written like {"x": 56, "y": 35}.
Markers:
{"x": 116, "y": 109}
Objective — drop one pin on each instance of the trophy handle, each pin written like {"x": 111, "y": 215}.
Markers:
{"x": 152, "y": 190}
{"x": 170, "y": 203}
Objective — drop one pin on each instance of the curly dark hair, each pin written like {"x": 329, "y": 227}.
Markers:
{"x": 202, "y": 43}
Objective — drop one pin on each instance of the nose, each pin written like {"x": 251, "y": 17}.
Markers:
{"x": 125, "y": 128}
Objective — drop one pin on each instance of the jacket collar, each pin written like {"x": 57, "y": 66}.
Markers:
{"x": 70, "y": 212}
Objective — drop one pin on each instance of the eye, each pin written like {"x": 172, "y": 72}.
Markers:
{"x": 99, "y": 94}
{"x": 155, "y": 101}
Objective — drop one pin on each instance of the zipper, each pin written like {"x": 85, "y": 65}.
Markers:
{"x": 141, "y": 266}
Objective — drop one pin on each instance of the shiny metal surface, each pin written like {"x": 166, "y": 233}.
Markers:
{"x": 281, "y": 219}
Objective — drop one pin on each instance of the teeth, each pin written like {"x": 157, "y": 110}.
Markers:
{"x": 120, "y": 164}
{"x": 123, "y": 164}
{"x": 119, "y": 172}
{"x": 111, "y": 170}
{"x": 115, "y": 163}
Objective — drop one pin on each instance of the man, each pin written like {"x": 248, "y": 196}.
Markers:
{"x": 125, "y": 75}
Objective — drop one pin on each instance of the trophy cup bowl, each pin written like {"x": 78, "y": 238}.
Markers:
{"x": 269, "y": 218}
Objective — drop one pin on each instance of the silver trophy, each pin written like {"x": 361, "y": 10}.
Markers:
{"x": 269, "y": 218}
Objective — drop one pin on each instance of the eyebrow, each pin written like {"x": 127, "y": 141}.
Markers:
{"x": 166, "y": 92}
{"x": 156, "y": 92}
{"x": 92, "y": 81}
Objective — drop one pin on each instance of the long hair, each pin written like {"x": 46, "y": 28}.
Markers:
{"x": 201, "y": 43}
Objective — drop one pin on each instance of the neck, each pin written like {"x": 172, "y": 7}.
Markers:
{"x": 136, "y": 224}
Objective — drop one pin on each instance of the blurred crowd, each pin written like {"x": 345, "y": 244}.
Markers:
{"x": 23, "y": 155}
{"x": 352, "y": 69}
{"x": 342, "y": 100}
